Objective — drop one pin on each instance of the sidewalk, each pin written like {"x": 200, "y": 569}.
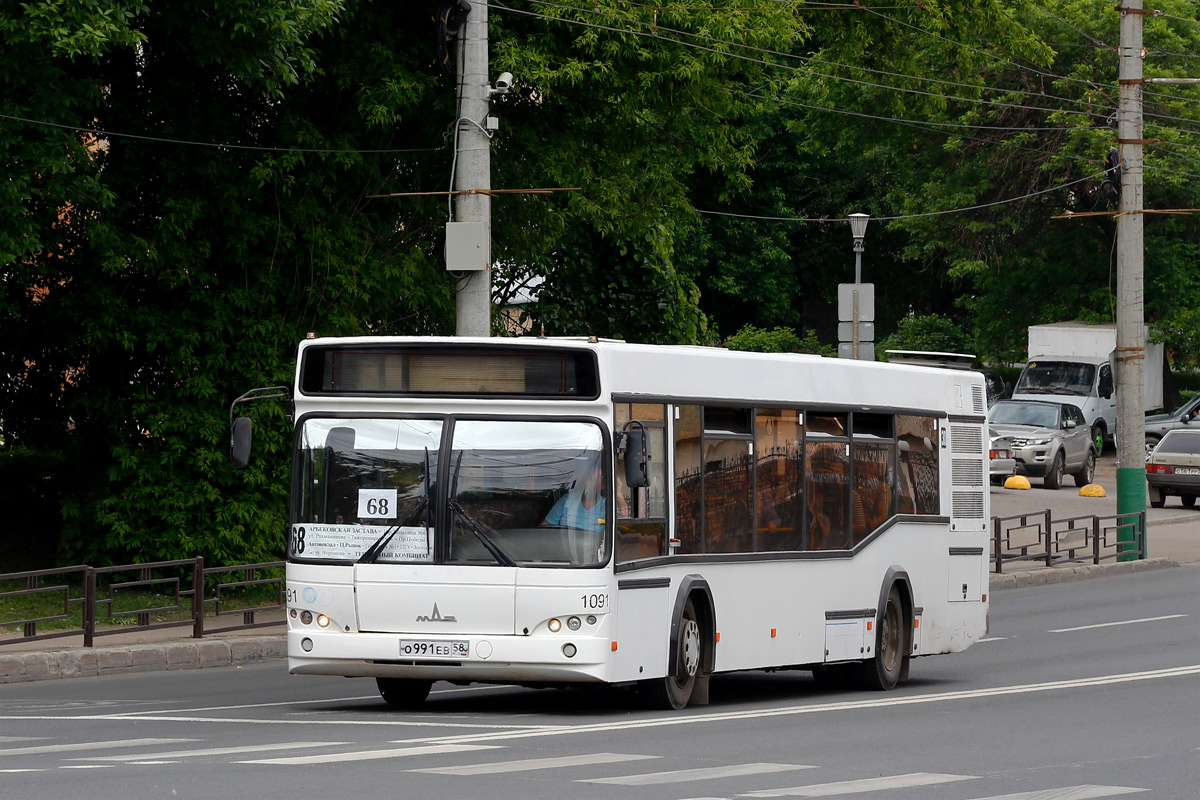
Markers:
{"x": 1170, "y": 543}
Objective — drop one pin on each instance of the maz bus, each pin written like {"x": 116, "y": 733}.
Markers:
{"x": 450, "y": 516}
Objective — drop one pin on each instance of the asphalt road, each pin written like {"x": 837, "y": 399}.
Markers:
{"x": 1082, "y": 690}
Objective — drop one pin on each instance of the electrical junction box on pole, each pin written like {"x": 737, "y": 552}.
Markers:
{"x": 467, "y": 247}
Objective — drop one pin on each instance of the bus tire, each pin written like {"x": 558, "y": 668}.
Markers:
{"x": 403, "y": 692}
{"x": 675, "y": 690}
{"x": 891, "y": 645}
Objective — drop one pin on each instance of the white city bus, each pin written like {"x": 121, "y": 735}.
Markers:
{"x": 768, "y": 511}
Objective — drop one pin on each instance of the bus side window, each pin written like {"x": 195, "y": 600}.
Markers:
{"x": 917, "y": 465}
{"x": 826, "y": 477}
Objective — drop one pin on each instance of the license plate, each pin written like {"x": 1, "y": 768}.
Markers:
{"x": 1187, "y": 470}
{"x": 419, "y": 648}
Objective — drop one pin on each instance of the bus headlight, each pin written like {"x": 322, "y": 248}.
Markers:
{"x": 322, "y": 621}
{"x": 306, "y": 617}
{"x": 573, "y": 623}
{"x": 555, "y": 625}
{"x": 569, "y": 650}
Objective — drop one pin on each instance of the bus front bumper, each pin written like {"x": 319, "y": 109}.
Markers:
{"x": 505, "y": 659}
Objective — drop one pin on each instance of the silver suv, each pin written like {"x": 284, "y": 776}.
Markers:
{"x": 1048, "y": 439}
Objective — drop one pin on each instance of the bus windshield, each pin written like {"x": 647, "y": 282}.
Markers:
{"x": 511, "y": 493}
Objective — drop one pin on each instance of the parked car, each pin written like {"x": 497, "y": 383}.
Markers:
{"x": 1048, "y": 439}
{"x": 1158, "y": 424}
{"x": 1174, "y": 468}
{"x": 1001, "y": 455}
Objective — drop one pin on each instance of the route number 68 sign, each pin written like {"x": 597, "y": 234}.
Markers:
{"x": 377, "y": 503}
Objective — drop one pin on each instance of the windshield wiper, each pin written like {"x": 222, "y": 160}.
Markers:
{"x": 489, "y": 544}
{"x": 476, "y": 527}
{"x": 376, "y": 550}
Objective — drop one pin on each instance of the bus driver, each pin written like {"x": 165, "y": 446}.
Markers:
{"x": 582, "y": 508}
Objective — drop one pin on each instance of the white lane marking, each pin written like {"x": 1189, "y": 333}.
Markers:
{"x": 70, "y": 748}
{"x": 8, "y": 771}
{"x": 992, "y": 639}
{"x": 849, "y": 705}
{"x": 1121, "y": 622}
{"x": 524, "y": 765}
{"x": 863, "y": 785}
{"x": 200, "y": 709}
{"x": 148, "y": 763}
{"x": 87, "y": 766}
{"x": 699, "y": 774}
{"x": 1083, "y": 792}
{"x": 20, "y": 738}
{"x": 677, "y": 719}
{"x": 215, "y": 751}
{"x": 371, "y": 755}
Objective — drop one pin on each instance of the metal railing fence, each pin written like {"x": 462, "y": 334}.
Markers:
{"x": 1036, "y": 536}
{"x": 142, "y": 597}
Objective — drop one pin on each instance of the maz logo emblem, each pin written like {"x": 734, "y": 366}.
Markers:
{"x": 436, "y": 616}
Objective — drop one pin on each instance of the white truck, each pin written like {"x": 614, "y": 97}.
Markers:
{"x": 1073, "y": 362}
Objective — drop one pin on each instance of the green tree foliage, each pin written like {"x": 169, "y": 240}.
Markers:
{"x": 930, "y": 333}
{"x": 147, "y": 282}
{"x": 777, "y": 340}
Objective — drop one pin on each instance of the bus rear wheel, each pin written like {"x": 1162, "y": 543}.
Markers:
{"x": 891, "y": 646}
{"x": 675, "y": 690}
{"x": 403, "y": 692}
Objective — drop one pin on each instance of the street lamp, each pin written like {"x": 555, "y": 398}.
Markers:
{"x": 858, "y": 229}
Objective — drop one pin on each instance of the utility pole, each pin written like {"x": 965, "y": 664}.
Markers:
{"x": 473, "y": 175}
{"x": 1131, "y": 331}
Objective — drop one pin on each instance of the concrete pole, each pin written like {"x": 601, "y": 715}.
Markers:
{"x": 473, "y": 169}
{"x": 1131, "y": 331}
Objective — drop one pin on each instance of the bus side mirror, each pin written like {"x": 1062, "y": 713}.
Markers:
{"x": 240, "y": 438}
{"x": 636, "y": 474}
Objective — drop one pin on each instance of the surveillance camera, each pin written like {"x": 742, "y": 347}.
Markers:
{"x": 504, "y": 82}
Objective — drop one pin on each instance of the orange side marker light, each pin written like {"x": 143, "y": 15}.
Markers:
{"x": 614, "y": 647}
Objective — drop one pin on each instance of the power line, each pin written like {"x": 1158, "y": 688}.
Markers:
{"x": 841, "y": 220}
{"x": 217, "y": 145}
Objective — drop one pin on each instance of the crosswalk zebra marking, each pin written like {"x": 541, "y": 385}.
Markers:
{"x": 497, "y": 767}
{"x": 884, "y": 783}
{"x": 84, "y": 746}
{"x": 214, "y": 751}
{"x": 371, "y": 755}
{"x": 1083, "y": 792}
{"x": 698, "y": 774}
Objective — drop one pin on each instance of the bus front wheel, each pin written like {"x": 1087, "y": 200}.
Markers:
{"x": 675, "y": 690}
{"x": 891, "y": 646}
{"x": 403, "y": 692}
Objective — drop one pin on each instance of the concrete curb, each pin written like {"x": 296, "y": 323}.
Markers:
{"x": 82, "y": 662}
{"x": 1043, "y": 576}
